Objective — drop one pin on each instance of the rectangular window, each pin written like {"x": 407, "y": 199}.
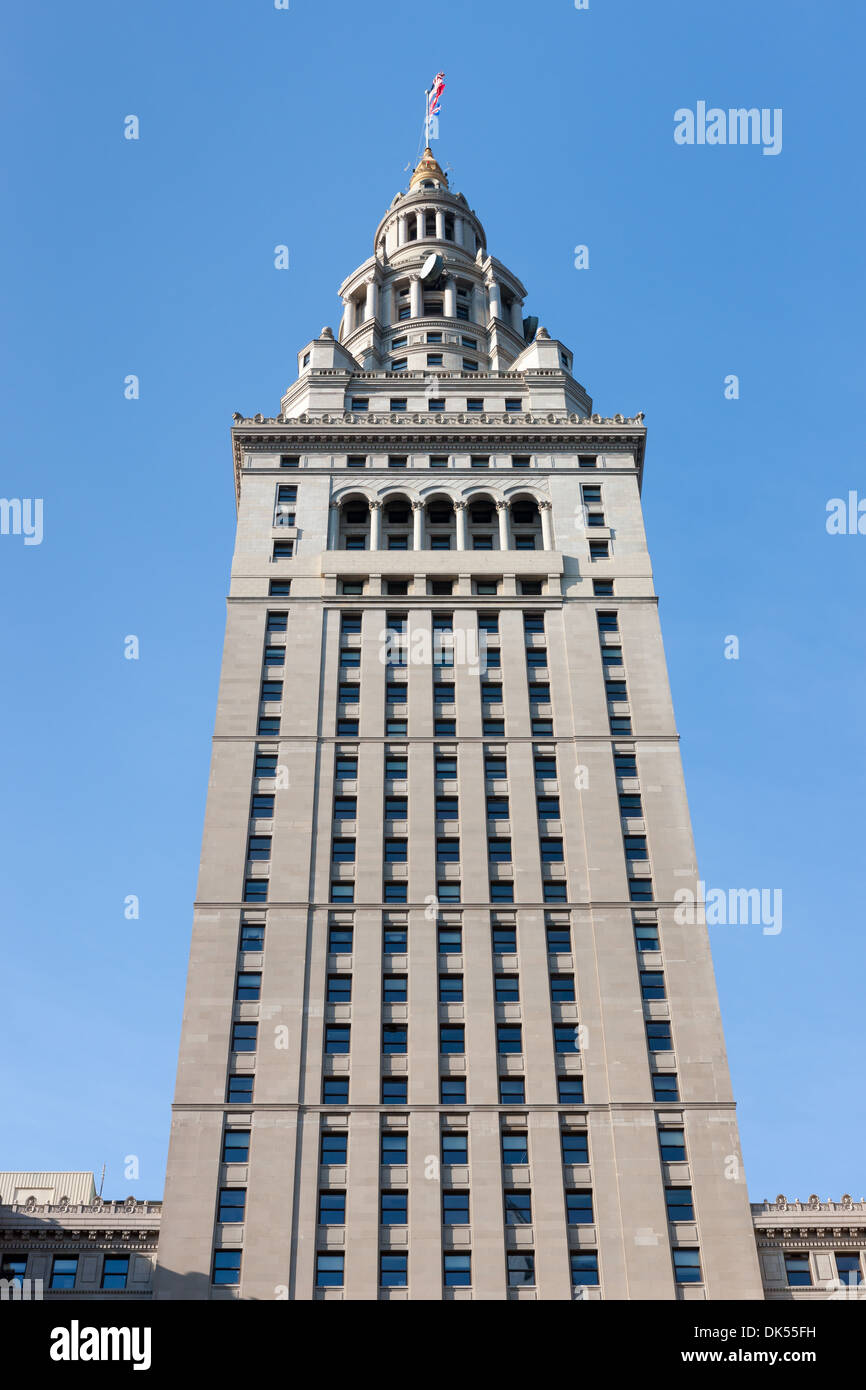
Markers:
{"x": 507, "y": 991}
{"x": 509, "y": 1038}
{"x": 248, "y": 985}
{"x": 562, "y": 989}
{"x": 232, "y": 1203}
{"x": 646, "y": 936}
{"x": 446, "y": 808}
{"x": 452, "y": 1090}
{"x": 63, "y": 1272}
{"x": 394, "y": 891}
{"x": 396, "y": 851}
{"x": 672, "y": 1143}
{"x": 395, "y": 1090}
{"x": 584, "y": 1269}
{"x": 356, "y": 461}
{"x": 394, "y": 940}
{"x": 607, "y": 622}
{"x": 457, "y": 1271}
{"x": 679, "y": 1204}
{"x": 505, "y": 940}
{"x": 640, "y": 890}
{"x": 399, "y": 364}
{"x": 475, "y": 405}
{"x": 446, "y": 766}
{"x": 455, "y": 1149}
{"x": 512, "y": 1090}
{"x": 259, "y": 847}
{"x": 277, "y": 622}
{"x": 450, "y": 989}
{"x": 397, "y": 460}
{"x": 226, "y": 1267}
{"x": 574, "y": 1146}
{"x": 394, "y": 1149}
{"x": 342, "y": 891}
{"x": 334, "y": 1148}
{"x": 451, "y": 1039}
{"x": 513, "y": 405}
{"x": 337, "y": 1036}
{"x": 280, "y": 588}
{"x": 625, "y": 764}
{"x": 569, "y": 1090}
{"x": 339, "y": 989}
{"x": 329, "y": 1271}
{"x": 449, "y": 941}
{"x": 520, "y": 1267}
{"x": 599, "y": 550}
{"x": 659, "y": 1037}
{"x": 515, "y": 1150}
{"x": 687, "y": 1267}
{"x": 240, "y": 1089}
{"x": 396, "y": 807}
{"x": 578, "y": 1206}
{"x": 256, "y": 890}
{"x": 394, "y": 1038}
{"x": 499, "y": 850}
{"x": 394, "y": 989}
{"x": 518, "y": 1208}
{"x": 335, "y": 1090}
{"x": 236, "y": 1146}
{"x": 393, "y": 1208}
{"x": 448, "y": 850}
{"x": 497, "y": 808}
{"x": 455, "y": 1208}
{"x": 665, "y": 1088}
{"x": 434, "y": 359}
{"x": 566, "y": 1037}
{"x": 290, "y": 460}
{"x": 652, "y": 984}
{"x": 398, "y": 403}
{"x": 558, "y": 940}
{"x": 244, "y": 1037}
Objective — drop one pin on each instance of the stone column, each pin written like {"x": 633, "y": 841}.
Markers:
{"x": 450, "y": 304}
{"x": 504, "y": 529}
{"x": 415, "y": 297}
{"x": 460, "y": 515}
{"x": 375, "y": 524}
{"x": 350, "y": 320}
{"x": 419, "y": 225}
{"x": 495, "y": 299}
{"x": 477, "y": 313}
{"x": 417, "y": 525}
{"x": 517, "y": 316}
{"x": 334, "y": 526}
{"x": 372, "y": 305}
{"x": 386, "y": 312}
{"x": 440, "y": 225}
{"x": 402, "y": 229}
{"x": 458, "y": 230}
{"x": 546, "y": 510}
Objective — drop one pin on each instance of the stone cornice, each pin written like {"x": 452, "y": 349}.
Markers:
{"x": 416, "y": 432}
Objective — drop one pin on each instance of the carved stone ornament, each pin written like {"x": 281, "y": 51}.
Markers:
{"x": 130, "y": 1204}
{"x": 30, "y": 1204}
{"x": 781, "y": 1202}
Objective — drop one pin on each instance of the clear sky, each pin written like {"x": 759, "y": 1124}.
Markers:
{"x": 155, "y": 257}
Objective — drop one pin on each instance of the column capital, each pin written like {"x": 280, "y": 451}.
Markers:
{"x": 459, "y": 504}
{"x": 502, "y": 506}
{"x": 375, "y": 503}
{"x": 543, "y": 504}
{"x": 418, "y": 506}
{"x": 335, "y": 506}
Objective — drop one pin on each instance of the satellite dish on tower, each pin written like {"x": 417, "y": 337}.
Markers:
{"x": 432, "y": 268}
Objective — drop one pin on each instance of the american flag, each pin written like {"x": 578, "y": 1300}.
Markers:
{"x": 436, "y": 91}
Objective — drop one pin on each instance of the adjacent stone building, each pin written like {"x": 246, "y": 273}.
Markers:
{"x": 59, "y": 1240}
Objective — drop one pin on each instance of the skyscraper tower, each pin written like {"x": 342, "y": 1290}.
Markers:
{"x": 444, "y": 1035}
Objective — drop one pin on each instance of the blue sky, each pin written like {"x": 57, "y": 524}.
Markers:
{"x": 262, "y": 127}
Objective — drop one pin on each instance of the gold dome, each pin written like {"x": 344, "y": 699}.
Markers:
{"x": 428, "y": 168}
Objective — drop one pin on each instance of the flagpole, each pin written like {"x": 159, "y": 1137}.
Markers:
{"x": 426, "y": 119}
